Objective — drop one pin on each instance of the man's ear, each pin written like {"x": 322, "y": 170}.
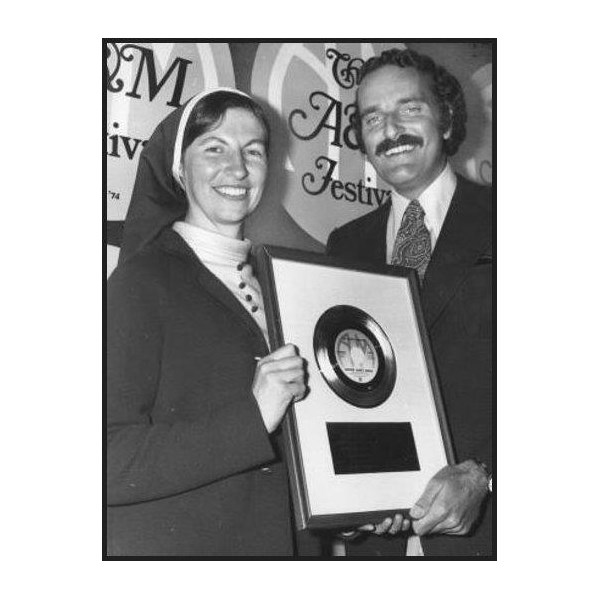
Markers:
{"x": 446, "y": 135}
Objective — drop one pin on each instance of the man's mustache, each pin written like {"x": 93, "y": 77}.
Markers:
{"x": 401, "y": 140}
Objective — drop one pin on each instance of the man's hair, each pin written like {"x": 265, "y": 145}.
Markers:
{"x": 445, "y": 88}
{"x": 210, "y": 110}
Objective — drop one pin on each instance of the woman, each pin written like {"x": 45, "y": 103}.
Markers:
{"x": 193, "y": 467}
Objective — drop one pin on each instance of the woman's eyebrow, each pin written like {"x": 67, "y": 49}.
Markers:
{"x": 216, "y": 138}
{"x": 211, "y": 138}
{"x": 261, "y": 141}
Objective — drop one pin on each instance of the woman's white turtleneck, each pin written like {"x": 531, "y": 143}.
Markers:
{"x": 222, "y": 256}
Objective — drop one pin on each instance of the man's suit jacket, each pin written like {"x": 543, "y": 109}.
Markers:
{"x": 191, "y": 469}
{"x": 458, "y": 303}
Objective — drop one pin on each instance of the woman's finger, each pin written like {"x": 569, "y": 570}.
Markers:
{"x": 397, "y": 523}
{"x": 286, "y": 351}
{"x": 284, "y": 363}
{"x": 297, "y": 391}
{"x": 383, "y": 527}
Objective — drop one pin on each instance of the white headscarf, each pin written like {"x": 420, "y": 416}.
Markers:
{"x": 189, "y": 107}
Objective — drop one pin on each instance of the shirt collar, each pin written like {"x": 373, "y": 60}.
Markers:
{"x": 435, "y": 201}
{"x": 212, "y": 246}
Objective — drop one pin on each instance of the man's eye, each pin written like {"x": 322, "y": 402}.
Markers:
{"x": 372, "y": 120}
{"x": 411, "y": 109}
{"x": 213, "y": 149}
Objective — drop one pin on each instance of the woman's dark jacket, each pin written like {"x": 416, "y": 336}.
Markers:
{"x": 191, "y": 470}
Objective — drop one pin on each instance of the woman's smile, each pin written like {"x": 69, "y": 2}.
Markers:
{"x": 232, "y": 192}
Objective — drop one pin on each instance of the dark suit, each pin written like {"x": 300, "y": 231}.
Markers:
{"x": 191, "y": 469}
{"x": 458, "y": 304}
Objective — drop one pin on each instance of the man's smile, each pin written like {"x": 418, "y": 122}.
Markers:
{"x": 403, "y": 149}
{"x": 403, "y": 144}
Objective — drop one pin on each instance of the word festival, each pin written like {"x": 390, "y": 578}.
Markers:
{"x": 346, "y": 76}
{"x": 123, "y": 145}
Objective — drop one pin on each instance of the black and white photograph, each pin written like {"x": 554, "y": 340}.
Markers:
{"x": 300, "y": 299}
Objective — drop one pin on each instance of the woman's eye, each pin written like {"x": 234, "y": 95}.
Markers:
{"x": 255, "y": 152}
{"x": 213, "y": 149}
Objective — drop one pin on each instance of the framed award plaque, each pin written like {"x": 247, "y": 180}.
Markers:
{"x": 371, "y": 431}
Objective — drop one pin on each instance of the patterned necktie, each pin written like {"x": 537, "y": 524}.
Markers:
{"x": 412, "y": 247}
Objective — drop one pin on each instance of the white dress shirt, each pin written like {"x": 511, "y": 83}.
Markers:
{"x": 435, "y": 201}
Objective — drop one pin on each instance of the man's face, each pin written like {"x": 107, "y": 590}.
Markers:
{"x": 400, "y": 128}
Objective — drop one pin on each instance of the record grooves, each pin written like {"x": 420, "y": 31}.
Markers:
{"x": 354, "y": 356}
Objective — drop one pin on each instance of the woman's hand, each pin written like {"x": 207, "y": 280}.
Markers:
{"x": 389, "y": 526}
{"x": 279, "y": 379}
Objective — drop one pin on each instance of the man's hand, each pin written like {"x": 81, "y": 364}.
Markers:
{"x": 279, "y": 379}
{"x": 451, "y": 501}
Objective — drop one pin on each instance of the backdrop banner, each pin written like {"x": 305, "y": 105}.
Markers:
{"x": 318, "y": 178}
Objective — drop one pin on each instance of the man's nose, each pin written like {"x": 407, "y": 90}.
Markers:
{"x": 393, "y": 126}
{"x": 237, "y": 165}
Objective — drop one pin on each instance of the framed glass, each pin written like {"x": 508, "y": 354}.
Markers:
{"x": 371, "y": 431}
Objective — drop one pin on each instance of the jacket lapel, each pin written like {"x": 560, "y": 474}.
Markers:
{"x": 216, "y": 288}
{"x": 465, "y": 235}
{"x": 374, "y": 234}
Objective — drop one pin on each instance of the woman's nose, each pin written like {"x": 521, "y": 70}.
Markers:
{"x": 237, "y": 166}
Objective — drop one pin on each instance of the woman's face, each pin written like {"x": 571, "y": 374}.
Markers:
{"x": 224, "y": 172}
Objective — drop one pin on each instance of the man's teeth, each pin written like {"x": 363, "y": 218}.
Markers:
{"x": 400, "y": 149}
{"x": 236, "y": 192}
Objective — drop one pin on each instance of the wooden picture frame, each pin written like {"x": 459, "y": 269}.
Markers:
{"x": 371, "y": 431}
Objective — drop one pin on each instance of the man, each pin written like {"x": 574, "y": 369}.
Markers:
{"x": 410, "y": 118}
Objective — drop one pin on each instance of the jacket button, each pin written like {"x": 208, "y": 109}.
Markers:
{"x": 266, "y": 470}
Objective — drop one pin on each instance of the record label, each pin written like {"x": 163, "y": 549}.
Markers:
{"x": 356, "y": 356}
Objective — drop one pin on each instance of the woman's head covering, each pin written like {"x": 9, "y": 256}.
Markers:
{"x": 158, "y": 199}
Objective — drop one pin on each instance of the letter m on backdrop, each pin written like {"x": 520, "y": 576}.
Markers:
{"x": 179, "y": 66}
